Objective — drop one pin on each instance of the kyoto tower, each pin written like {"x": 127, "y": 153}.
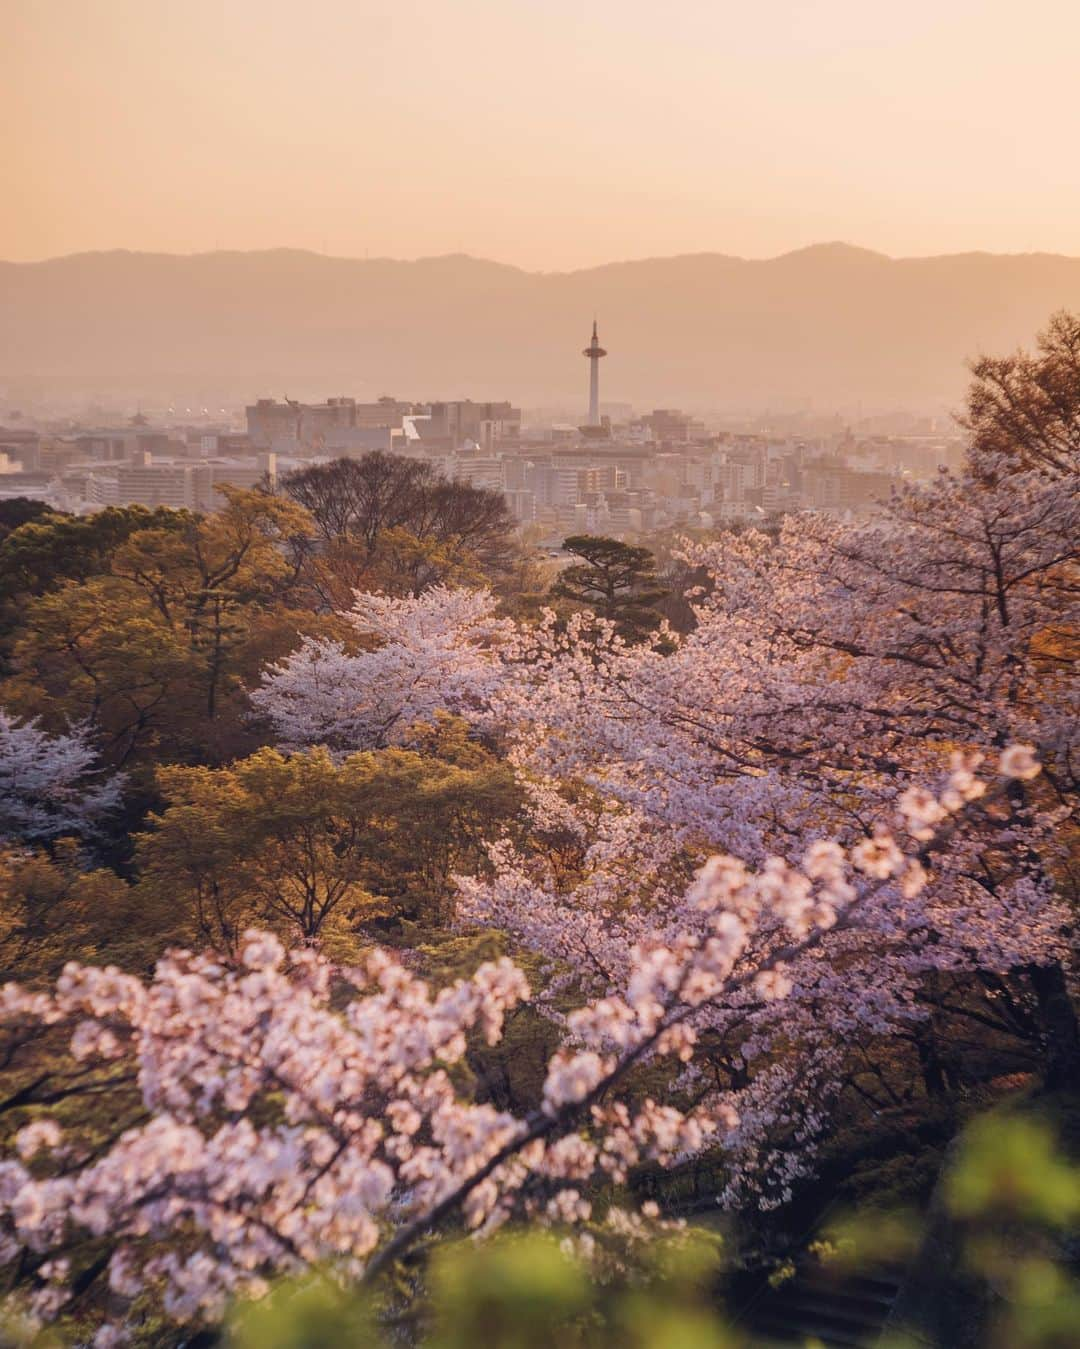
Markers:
{"x": 594, "y": 351}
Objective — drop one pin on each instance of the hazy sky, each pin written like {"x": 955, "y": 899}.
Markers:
{"x": 548, "y": 133}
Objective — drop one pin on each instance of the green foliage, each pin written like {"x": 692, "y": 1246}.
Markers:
{"x": 49, "y": 550}
{"x": 310, "y": 1313}
{"x": 521, "y": 1294}
{"x": 17, "y": 511}
{"x": 316, "y": 848}
{"x": 615, "y": 580}
{"x": 285, "y": 840}
{"x": 1015, "y": 1197}
{"x": 42, "y": 551}
{"x": 995, "y": 1260}
{"x": 1010, "y": 1167}
{"x": 53, "y": 910}
{"x": 145, "y": 624}
{"x": 21, "y": 1332}
{"x": 515, "y": 1292}
{"x": 95, "y": 652}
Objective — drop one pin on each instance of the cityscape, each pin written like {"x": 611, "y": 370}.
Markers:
{"x": 617, "y": 472}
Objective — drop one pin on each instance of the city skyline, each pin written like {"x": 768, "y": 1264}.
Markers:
{"x": 829, "y": 327}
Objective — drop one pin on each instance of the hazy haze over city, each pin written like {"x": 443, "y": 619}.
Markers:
{"x": 829, "y": 328}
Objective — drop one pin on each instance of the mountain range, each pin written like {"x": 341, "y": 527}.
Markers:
{"x": 827, "y": 326}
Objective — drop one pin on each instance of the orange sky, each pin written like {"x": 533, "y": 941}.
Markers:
{"x": 540, "y": 132}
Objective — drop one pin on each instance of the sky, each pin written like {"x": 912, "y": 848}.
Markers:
{"x": 549, "y": 134}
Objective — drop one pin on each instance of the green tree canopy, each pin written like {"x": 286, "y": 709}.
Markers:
{"x": 315, "y": 848}
{"x": 616, "y": 581}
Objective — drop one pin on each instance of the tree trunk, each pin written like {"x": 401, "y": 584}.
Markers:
{"x": 933, "y": 1070}
{"x": 1060, "y": 1030}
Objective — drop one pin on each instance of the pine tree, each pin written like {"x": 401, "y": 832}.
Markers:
{"x": 618, "y": 582}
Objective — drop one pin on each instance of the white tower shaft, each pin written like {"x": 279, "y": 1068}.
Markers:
{"x": 594, "y": 351}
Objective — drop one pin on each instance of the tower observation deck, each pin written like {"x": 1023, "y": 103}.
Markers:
{"x": 594, "y": 351}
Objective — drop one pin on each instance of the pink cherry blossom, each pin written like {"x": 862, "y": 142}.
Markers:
{"x": 48, "y": 783}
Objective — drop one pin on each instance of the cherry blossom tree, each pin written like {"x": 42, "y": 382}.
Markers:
{"x": 828, "y": 668}
{"x": 285, "y": 1121}
{"x": 435, "y": 652}
{"x": 830, "y": 672}
{"x": 48, "y": 783}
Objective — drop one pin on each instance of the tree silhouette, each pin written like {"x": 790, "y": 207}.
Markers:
{"x": 618, "y": 582}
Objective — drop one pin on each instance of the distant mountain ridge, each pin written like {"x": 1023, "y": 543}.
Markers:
{"x": 830, "y": 324}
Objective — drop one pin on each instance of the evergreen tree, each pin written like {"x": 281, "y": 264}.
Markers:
{"x": 616, "y": 581}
